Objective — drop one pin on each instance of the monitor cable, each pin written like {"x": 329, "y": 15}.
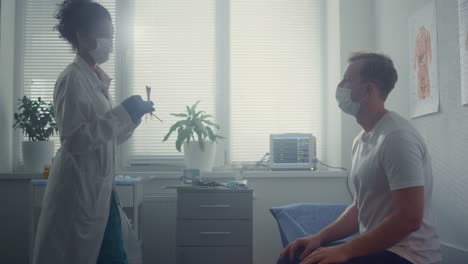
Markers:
{"x": 264, "y": 161}
{"x": 339, "y": 168}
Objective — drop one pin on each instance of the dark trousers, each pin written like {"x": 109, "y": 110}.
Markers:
{"x": 112, "y": 248}
{"x": 382, "y": 257}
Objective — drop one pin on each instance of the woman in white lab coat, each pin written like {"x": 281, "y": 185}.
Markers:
{"x": 80, "y": 222}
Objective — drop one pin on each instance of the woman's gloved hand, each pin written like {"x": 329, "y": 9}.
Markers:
{"x": 136, "y": 107}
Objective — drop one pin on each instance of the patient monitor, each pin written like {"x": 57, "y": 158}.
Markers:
{"x": 293, "y": 151}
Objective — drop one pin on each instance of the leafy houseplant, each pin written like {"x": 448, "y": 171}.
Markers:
{"x": 196, "y": 128}
{"x": 194, "y": 124}
{"x": 36, "y": 120}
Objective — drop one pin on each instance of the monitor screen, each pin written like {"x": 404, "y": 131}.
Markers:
{"x": 292, "y": 151}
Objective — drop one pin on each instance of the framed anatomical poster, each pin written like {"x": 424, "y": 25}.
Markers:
{"x": 424, "y": 81}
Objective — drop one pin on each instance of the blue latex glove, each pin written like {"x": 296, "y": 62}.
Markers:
{"x": 136, "y": 107}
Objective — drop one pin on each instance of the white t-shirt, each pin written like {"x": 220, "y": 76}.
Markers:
{"x": 394, "y": 156}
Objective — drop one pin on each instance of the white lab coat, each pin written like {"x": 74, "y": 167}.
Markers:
{"x": 76, "y": 202}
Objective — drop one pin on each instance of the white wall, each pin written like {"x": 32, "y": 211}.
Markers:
{"x": 445, "y": 132}
{"x": 391, "y": 20}
{"x": 7, "y": 44}
{"x": 356, "y": 33}
{"x": 332, "y": 114}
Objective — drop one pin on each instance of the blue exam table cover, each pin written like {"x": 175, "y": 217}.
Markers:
{"x": 304, "y": 219}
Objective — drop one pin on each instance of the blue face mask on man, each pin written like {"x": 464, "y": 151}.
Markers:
{"x": 346, "y": 104}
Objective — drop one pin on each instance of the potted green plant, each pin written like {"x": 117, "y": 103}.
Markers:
{"x": 197, "y": 136}
{"x": 36, "y": 120}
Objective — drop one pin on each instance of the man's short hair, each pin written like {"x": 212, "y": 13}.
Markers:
{"x": 377, "y": 68}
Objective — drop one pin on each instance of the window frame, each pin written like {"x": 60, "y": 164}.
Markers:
{"x": 123, "y": 64}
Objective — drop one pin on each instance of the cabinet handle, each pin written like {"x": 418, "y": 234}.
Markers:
{"x": 215, "y": 233}
{"x": 215, "y": 205}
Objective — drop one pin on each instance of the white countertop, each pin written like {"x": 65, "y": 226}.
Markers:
{"x": 23, "y": 175}
{"x": 245, "y": 174}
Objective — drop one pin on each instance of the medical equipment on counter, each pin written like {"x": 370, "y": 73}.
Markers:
{"x": 190, "y": 176}
{"x": 293, "y": 151}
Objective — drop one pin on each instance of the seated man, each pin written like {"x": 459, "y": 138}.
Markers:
{"x": 392, "y": 175}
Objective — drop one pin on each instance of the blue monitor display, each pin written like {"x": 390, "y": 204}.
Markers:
{"x": 290, "y": 150}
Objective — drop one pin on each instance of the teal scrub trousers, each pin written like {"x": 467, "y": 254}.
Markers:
{"x": 112, "y": 248}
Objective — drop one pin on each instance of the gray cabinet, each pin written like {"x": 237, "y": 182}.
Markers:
{"x": 214, "y": 226}
{"x": 15, "y": 219}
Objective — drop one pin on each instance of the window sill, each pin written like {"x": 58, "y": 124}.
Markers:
{"x": 245, "y": 174}
{"x": 20, "y": 175}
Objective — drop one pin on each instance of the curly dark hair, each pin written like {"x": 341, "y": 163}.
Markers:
{"x": 78, "y": 16}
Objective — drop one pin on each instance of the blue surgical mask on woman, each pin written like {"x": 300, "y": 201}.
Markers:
{"x": 346, "y": 104}
{"x": 102, "y": 51}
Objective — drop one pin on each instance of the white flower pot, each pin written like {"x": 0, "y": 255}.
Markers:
{"x": 196, "y": 159}
{"x": 37, "y": 154}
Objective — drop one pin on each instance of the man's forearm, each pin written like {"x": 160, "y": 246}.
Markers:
{"x": 392, "y": 230}
{"x": 347, "y": 224}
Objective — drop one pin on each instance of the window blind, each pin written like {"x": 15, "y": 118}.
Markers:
{"x": 173, "y": 51}
{"x": 276, "y": 69}
{"x": 45, "y": 55}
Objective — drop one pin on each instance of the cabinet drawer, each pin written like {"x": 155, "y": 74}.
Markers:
{"x": 215, "y": 206}
{"x": 214, "y": 255}
{"x": 214, "y": 232}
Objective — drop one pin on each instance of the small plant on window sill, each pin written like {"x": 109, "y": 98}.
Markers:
{"x": 36, "y": 119}
{"x": 195, "y": 126}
